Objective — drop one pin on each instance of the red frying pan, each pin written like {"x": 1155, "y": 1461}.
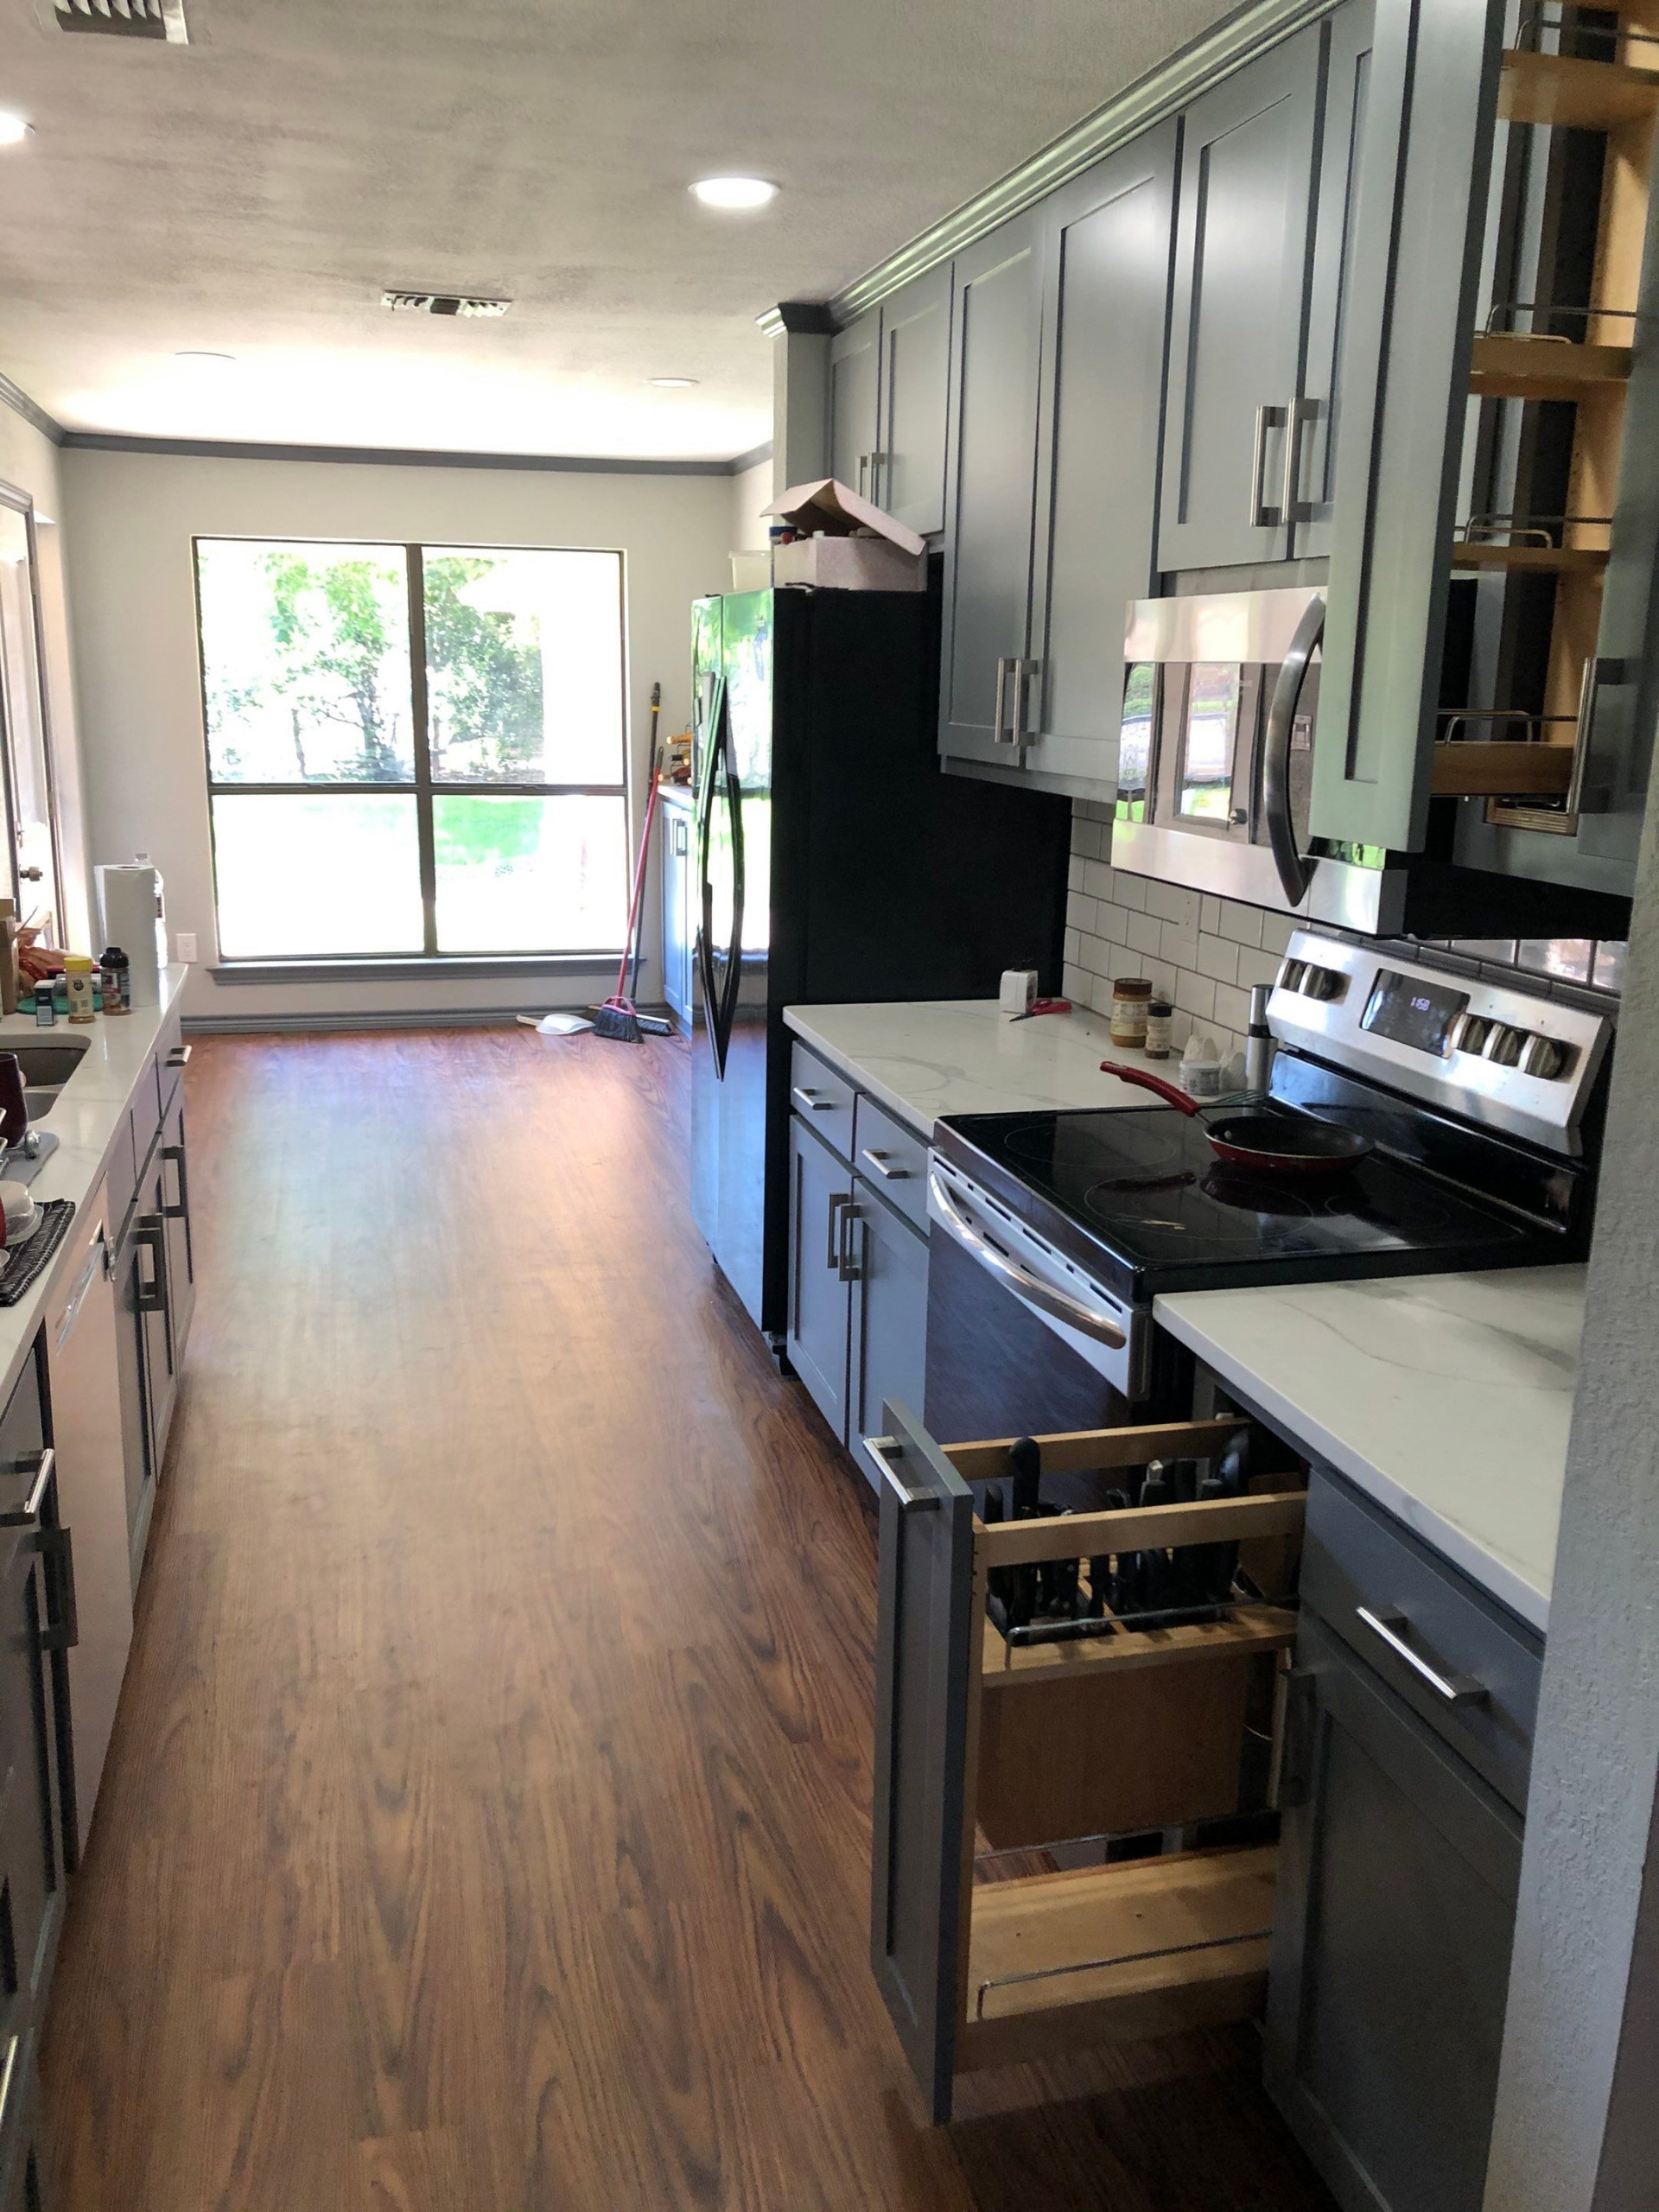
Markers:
{"x": 1259, "y": 1143}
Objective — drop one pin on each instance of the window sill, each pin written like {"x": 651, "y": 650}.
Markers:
{"x": 420, "y": 968}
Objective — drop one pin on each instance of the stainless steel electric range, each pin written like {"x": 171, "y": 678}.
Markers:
{"x": 1054, "y": 1232}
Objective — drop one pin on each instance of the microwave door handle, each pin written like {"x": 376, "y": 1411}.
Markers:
{"x": 1027, "y": 1287}
{"x": 1295, "y": 870}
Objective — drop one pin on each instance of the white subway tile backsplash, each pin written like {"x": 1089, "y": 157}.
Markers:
{"x": 1129, "y": 891}
{"x": 1172, "y": 902}
{"x": 1113, "y": 921}
{"x": 1218, "y": 957}
{"x": 1075, "y": 986}
{"x": 1243, "y": 923}
{"x": 1085, "y": 838}
{"x": 1275, "y": 932}
{"x": 1196, "y": 994}
{"x": 1257, "y": 968}
{"x": 1072, "y": 939}
{"x": 1074, "y": 873}
{"x": 1210, "y": 915}
{"x": 1232, "y": 1007}
{"x": 1098, "y": 880}
{"x": 1180, "y": 946}
{"x": 1146, "y": 935}
{"x": 1097, "y": 956}
{"x": 1082, "y": 912}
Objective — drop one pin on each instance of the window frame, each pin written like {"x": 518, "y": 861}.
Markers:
{"x": 424, "y": 788}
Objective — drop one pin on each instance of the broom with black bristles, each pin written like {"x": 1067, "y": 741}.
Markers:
{"x": 618, "y": 1018}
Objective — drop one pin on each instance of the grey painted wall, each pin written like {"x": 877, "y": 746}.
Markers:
{"x": 1577, "y": 2118}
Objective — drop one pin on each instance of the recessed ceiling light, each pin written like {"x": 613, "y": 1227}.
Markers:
{"x": 672, "y": 384}
{"x": 734, "y": 191}
{"x": 14, "y": 130}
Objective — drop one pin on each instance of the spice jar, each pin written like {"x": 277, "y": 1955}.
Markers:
{"x": 118, "y": 978}
{"x": 78, "y": 986}
{"x": 1160, "y": 1015}
{"x": 1131, "y": 996}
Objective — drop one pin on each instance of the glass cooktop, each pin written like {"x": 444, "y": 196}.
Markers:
{"x": 1141, "y": 1193}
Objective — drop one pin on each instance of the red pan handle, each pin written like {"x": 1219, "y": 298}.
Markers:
{"x": 1171, "y": 1093}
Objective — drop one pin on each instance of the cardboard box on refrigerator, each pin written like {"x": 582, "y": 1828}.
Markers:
{"x": 846, "y": 544}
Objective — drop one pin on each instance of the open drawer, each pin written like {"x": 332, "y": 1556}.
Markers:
{"x": 988, "y": 1743}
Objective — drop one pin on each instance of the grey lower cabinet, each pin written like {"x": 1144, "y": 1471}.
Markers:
{"x": 153, "y": 1264}
{"x": 856, "y": 1331}
{"x": 1398, "y": 1867}
{"x": 679, "y": 919}
{"x": 37, "y": 1629}
{"x": 990, "y": 497}
{"x": 1105, "y": 320}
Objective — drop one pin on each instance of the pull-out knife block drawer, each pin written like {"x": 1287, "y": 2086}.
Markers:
{"x": 986, "y": 1746}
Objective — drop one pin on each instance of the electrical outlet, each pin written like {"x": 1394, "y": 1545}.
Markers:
{"x": 186, "y": 944}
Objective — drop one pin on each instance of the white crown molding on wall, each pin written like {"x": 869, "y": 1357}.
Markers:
{"x": 1227, "y": 46}
{"x": 17, "y": 399}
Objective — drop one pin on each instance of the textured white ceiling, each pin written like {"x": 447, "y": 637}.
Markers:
{"x": 254, "y": 191}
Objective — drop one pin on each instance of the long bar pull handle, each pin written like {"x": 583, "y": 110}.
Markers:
{"x": 1022, "y": 670}
{"x": 883, "y": 1450}
{"x": 878, "y": 1165}
{"x": 1594, "y": 675}
{"x": 179, "y": 1056}
{"x": 1456, "y": 1689}
{"x": 832, "y": 1254}
{"x": 809, "y": 1100}
{"x": 1296, "y": 872}
{"x": 176, "y": 1154}
{"x": 1263, "y": 517}
{"x": 29, "y": 1512}
{"x": 63, "y": 1634}
{"x": 848, "y": 1268}
{"x": 999, "y": 718}
{"x": 1298, "y": 412}
{"x": 1028, "y": 1286}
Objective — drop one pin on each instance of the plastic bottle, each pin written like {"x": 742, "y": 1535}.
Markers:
{"x": 78, "y": 986}
{"x": 1201, "y": 1068}
{"x": 117, "y": 972}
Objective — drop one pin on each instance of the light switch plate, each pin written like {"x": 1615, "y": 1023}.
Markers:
{"x": 186, "y": 940}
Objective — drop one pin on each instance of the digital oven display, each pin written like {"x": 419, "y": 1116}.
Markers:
{"x": 1411, "y": 1012}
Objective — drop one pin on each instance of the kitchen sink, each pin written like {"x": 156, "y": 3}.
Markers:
{"x": 46, "y": 1068}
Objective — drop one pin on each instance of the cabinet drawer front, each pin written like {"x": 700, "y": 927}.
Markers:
{"x": 169, "y": 1049}
{"x": 23, "y": 1433}
{"x": 1381, "y": 1590}
{"x": 893, "y": 1160}
{"x": 822, "y": 1099}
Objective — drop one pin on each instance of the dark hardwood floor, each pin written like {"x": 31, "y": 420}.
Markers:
{"x": 487, "y": 1820}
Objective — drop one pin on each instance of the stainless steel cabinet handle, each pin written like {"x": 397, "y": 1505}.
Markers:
{"x": 1595, "y": 674}
{"x": 1022, "y": 671}
{"x": 848, "y": 1268}
{"x": 1071, "y": 1310}
{"x": 62, "y": 1634}
{"x": 1295, "y": 873}
{"x": 8, "y": 2071}
{"x": 679, "y": 840}
{"x": 178, "y": 1056}
{"x": 1268, "y": 416}
{"x": 29, "y": 1511}
{"x": 809, "y": 1100}
{"x": 883, "y": 1450}
{"x": 876, "y": 460}
{"x": 998, "y": 717}
{"x": 879, "y": 1162}
{"x": 151, "y": 1233}
{"x": 1296, "y": 414}
{"x": 1456, "y": 1689}
{"x": 180, "y": 1212}
{"x": 832, "y": 1254}
{"x": 97, "y": 1259}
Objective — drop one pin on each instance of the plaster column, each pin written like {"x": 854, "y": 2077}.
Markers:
{"x": 1577, "y": 2126}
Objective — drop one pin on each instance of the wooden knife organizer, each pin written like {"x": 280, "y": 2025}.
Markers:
{"x": 986, "y": 1749}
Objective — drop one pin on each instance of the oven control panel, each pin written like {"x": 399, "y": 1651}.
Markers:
{"x": 1491, "y": 1052}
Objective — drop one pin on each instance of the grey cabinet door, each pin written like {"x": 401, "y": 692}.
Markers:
{"x": 924, "y": 1618}
{"x": 1106, "y": 260}
{"x": 1419, "y": 218}
{"x": 820, "y": 1190}
{"x": 1242, "y": 233}
{"x": 1349, "y": 36}
{"x": 31, "y": 1760}
{"x": 854, "y": 398}
{"x": 914, "y": 400}
{"x": 990, "y": 486}
{"x": 174, "y": 1184}
{"x": 1393, "y": 1921}
{"x": 889, "y": 1320}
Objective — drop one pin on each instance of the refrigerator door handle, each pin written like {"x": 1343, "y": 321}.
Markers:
{"x": 734, "y": 951}
{"x": 711, "y": 997}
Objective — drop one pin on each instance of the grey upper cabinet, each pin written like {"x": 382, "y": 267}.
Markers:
{"x": 914, "y": 397}
{"x": 1105, "y": 322}
{"x": 1350, "y": 37}
{"x": 1244, "y": 239}
{"x": 889, "y": 1320}
{"x": 991, "y": 492}
{"x": 854, "y": 401}
{"x": 820, "y": 1195}
{"x": 1393, "y": 1925}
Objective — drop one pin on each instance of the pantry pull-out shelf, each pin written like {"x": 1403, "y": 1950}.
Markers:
{"x": 1563, "y": 91}
{"x": 1117, "y": 1952}
{"x": 1506, "y": 364}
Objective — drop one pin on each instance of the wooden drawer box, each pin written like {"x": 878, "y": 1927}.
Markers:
{"x": 986, "y": 1745}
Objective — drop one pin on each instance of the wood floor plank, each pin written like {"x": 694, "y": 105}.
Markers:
{"x": 487, "y": 1820}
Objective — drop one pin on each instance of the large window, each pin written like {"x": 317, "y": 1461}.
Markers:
{"x": 413, "y": 748}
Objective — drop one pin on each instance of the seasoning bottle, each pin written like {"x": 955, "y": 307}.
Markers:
{"x": 46, "y": 1014}
{"x": 117, "y": 976}
{"x": 1201, "y": 1068}
{"x": 78, "y": 986}
{"x": 1160, "y": 1014}
{"x": 1131, "y": 996}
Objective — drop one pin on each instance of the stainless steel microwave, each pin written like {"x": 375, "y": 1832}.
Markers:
{"x": 1216, "y": 761}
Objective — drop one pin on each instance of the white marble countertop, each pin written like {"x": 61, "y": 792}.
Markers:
{"x": 88, "y": 1112}
{"x": 1445, "y": 1398}
{"x": 922, "y": 1058}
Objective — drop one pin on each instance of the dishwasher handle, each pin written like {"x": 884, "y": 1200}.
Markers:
{"x": 1056, "y": 1303}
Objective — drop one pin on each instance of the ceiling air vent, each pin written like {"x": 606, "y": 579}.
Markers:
{"x": 462, "y": 303}
{"x": 125, "y": 18}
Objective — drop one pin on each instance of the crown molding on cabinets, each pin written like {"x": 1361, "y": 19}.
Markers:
{"x": 1227, "y": 45}
{"x": 18, "y": 400}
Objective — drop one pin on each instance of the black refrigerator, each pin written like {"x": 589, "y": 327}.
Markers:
{"x": 835, "y": 864}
